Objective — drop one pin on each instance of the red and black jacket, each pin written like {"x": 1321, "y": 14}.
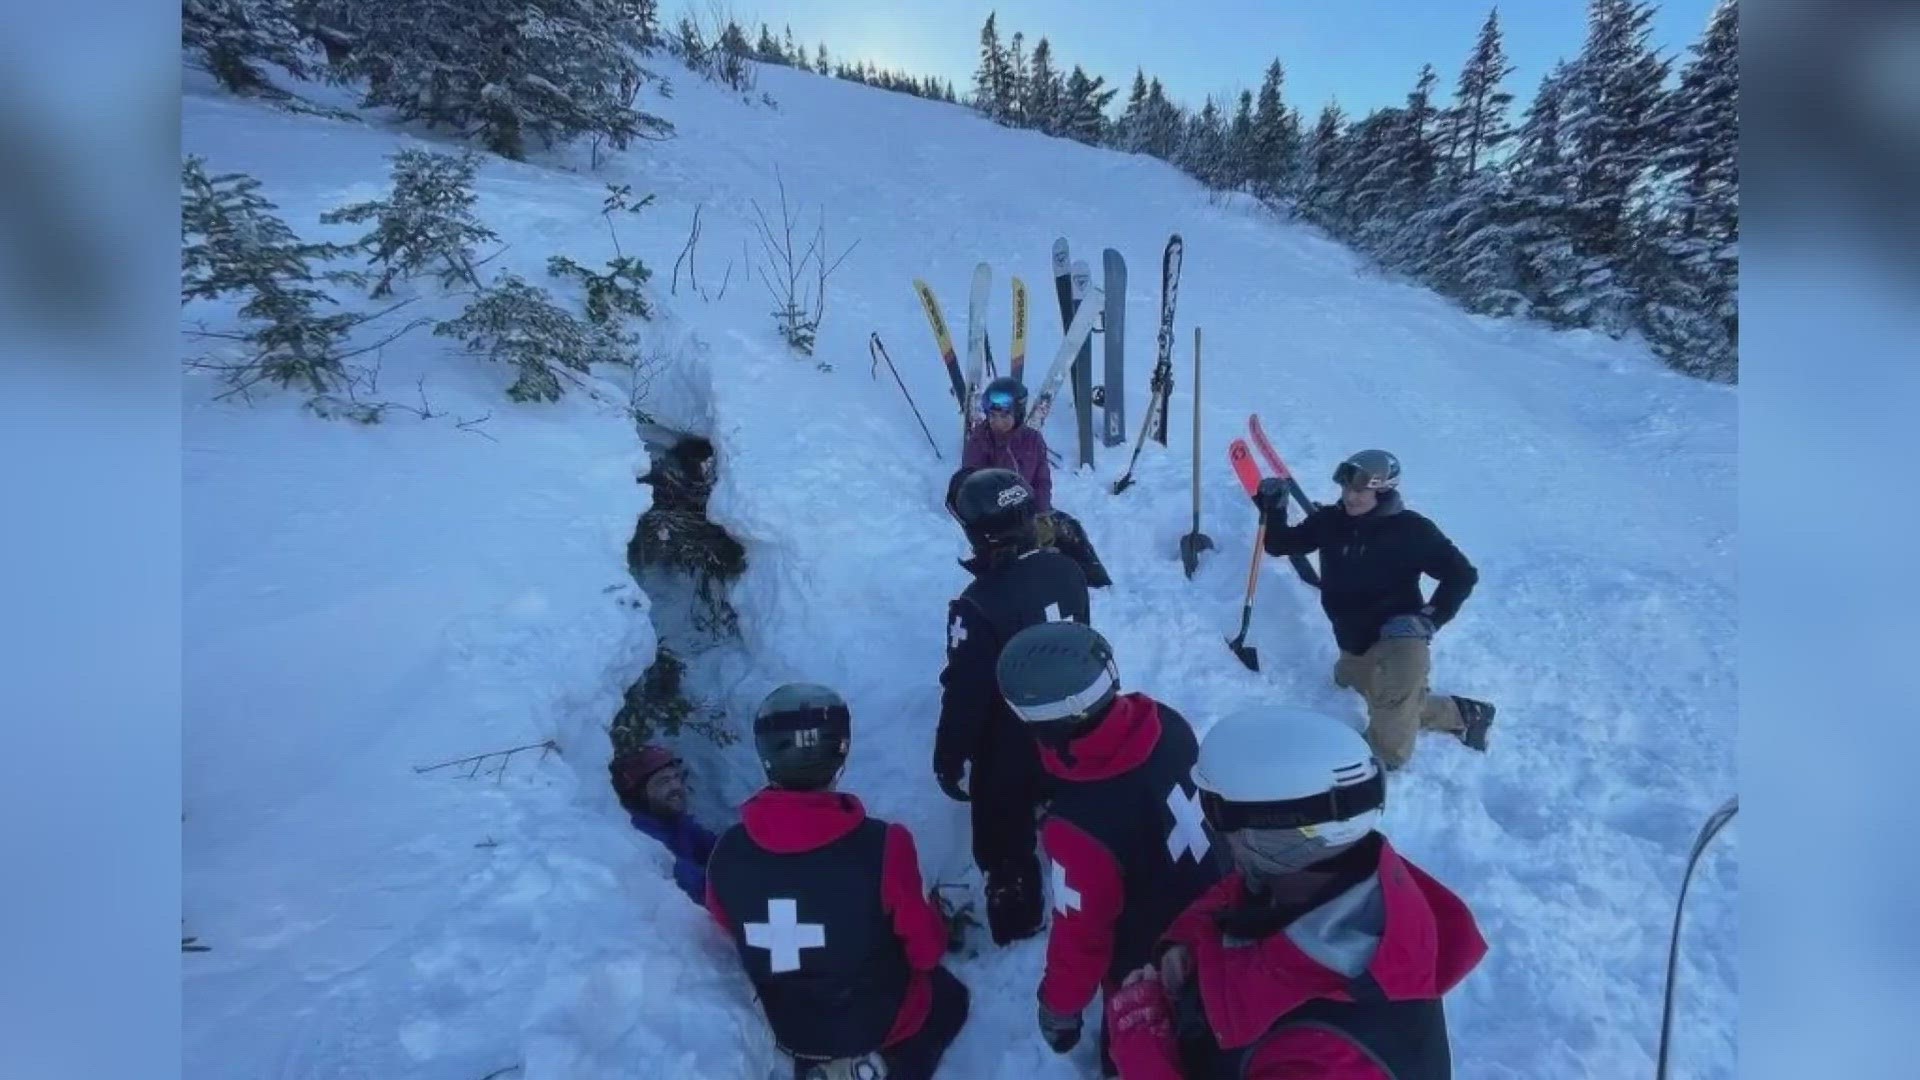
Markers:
{"x": 825, "y": 907}
{"x": 1348, "y": 989}
{"x": 1127, "y": 845}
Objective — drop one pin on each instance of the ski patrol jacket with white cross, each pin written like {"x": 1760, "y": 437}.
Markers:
{"x": 1344, "y": 985}
{"x": 1126, "y": 844}
{"x": 826, "y": 910}
{"x": 1004, "y": 598}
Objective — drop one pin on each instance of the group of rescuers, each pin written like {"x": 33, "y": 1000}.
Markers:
{"x": 1230, "y": 900}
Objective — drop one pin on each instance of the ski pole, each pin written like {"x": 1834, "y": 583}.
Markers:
{"x": 1707, "y": 832}
{"x": 879, "y": 353}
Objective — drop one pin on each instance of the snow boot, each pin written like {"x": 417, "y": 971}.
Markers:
{"x": 1015, "y": 908}
{"x": 1479, "y": 717}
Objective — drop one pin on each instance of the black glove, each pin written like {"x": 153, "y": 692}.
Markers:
{"x": 952, "y": 784}
{"x": 1062, "y": 1032}
{"x": 1272, "y": 497}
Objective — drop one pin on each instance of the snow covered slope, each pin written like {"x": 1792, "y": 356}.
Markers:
{"x": 365, "y": 600}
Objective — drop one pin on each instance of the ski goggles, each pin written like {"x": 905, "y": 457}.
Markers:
{"x": 1354, "y": 478}
{"x": 1305, "y": 815}
{"x": 999, "y": 401}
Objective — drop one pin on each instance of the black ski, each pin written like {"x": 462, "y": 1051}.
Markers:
{"x": 1083, "y": 370}
{"x": 1715, "y": 823}
{"x": 1162, "y": 383}
{"x": 1113, "y": 394}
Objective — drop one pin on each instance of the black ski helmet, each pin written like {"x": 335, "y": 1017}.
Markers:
{"x": 1005, "y": 392}
{"x": 995, "y": 508}
{"x": 802, "y": 732}
{"x": 1376, "y": 470}
{"x": 1058, "y": 674}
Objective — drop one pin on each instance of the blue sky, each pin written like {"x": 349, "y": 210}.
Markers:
{"x": 1365, "y": 52}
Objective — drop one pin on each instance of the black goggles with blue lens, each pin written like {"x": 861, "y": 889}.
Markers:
{"x": 1000, "y": 401}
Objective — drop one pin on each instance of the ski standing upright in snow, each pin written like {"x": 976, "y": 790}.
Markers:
{"x": 945, "y": 341}
{"x": 1017, "y": 363}
{"x": 1155, "y": 422}
{"x": 1112, "y": 395}
{"x": 977, "y": 337}
{"x": 1079, "y": 330}
{"x": 1083, "y": 369}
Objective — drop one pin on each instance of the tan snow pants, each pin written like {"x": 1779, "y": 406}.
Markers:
{"x": 1392, "y": 676}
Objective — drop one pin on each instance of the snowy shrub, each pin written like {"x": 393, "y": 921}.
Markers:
{"x": 427, "y": 220}
{"x": 796, "y": 279}
{"x": 616, "y": 292}
{"x": 230, "y": 35}
{"x": 519, "y": 324}
{"x": 502, "y": 71}
{"x": 231, "y": 242}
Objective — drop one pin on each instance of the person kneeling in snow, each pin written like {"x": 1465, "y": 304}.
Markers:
{"x": 1125, "y": 841}
{"x": 652, "y": 786}
{"x": 825, "y": 908}
{"x": 1004, "y": 441}
{"x": 1325, "y": 954}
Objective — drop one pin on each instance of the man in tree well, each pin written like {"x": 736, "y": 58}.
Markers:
{"x": 652, "y": 785}
{"x": 1373, "y": 551}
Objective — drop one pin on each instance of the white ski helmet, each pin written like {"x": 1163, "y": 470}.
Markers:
{"x": 1275, "y": 767}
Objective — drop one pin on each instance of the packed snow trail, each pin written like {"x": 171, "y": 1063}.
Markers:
{"x": 1593, "y": 489}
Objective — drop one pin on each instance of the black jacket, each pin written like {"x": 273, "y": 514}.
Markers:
{"x": 1370, "y": 566}
{"x": 1003, "y": 599}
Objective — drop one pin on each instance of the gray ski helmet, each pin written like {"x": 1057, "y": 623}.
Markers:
{"x": 1374, "y": 470}
{"x": 1005, "y": 393}
{"x": 995, "y": 507}
{"x": 1058, "y": 671}
{"x": 802, "y": 732}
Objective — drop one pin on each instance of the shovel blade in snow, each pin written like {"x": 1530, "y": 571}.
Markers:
{"x": 1191, "y": 545}
{"x": 1248, "y": 654}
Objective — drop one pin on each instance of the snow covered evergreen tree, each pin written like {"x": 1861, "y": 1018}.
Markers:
{"x": 1202, "y": 152}
{"x": 766, "y": 49}
{"x": 1689, "y": 292}
{"x": 1276, "y": 136}
{"x": 1042, "y": 105}
{"x": 730, "y": 59}
{"x": 1240, "y": 156}
{"x": 820, "y": 60}
{"x": 425, "y": 221}
{"x": 796, "y": 56}
{"x": 1017, "y": 83}
{"x": 1315, "y": 178}
{"x": 504, "y": 71}
{"x": 1083, "y": 107}
{"x": 993, "y": 81}
{"x": 519, "y": 324}
{"x": 641, "y": 19}
{"x": 1606, "y": 119}
{"x": 232, "y": 242}
{"x": 1548, "y": 271}
{"x": 1479, "y": 127}
{"x": 1128, "y": 132}
{"x": 230, "y": 36}
{"x": 1162, "y": 126}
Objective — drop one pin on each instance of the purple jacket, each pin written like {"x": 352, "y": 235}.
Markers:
{"x": 1024, "y": 450}
{"x": 690, "y": 845}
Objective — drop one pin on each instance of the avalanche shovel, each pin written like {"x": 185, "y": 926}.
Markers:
{"x": 1195, "y": 542}
{"x": 1247, "y": 654}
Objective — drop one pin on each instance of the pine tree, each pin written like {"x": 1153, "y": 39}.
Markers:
{"x": 1276, "y": 136}
{"x": 1017, "y": 83}
{"x": 992, "y": 83}
{"x": 1128, "y": 133}
{"x": 820, "y": 60}
{"x": 1042, "y": 104}
{"x": 1083, "y": 106}
{"x": 1479, "y": 121}
{"x": 1317, "y": 160}
{"x": 1202, "y": 153}
{"x": 767, "y": 50}
{"x": 1240, "y": 148}
{"x": 504, "y": 70}
{"x": 795, "y": 55}
{"x": 1607, "y": 120}
{"x": 730, "y": 56}
{"x": 231, "y": 35}
{"x": 1419, "y": 159}
{"x": 641, "y": 19}
{"x": 519, "y": 324}
{"x": 425, "y": 221}
{"x": 1548, "y": 270}
{"x": 1690, "y": 294}
{"x": 1163, "y": 127}
{"x": 232, "y": 242}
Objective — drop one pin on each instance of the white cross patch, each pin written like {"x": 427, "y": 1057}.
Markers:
{"x": 1188, "y": 835}
{"x": 783, "y": 935}
{"x": 1065, "y": 897}
{"x": 956, "y": 633}
{"x": 1053, "y": 613}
